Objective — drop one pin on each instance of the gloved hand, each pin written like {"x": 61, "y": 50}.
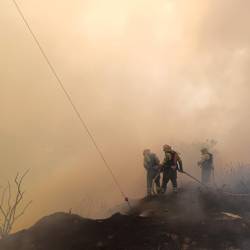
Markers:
{"x": 174, "y": 167}
{"x": 156, "y": 167}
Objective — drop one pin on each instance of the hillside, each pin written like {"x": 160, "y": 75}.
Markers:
{"x": 192, "y": 219}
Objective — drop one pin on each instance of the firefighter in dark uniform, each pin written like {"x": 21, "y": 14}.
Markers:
{"x": 171, "y": 164}
{"x": 206, "y": 165}
{"x": 152, "y": 166}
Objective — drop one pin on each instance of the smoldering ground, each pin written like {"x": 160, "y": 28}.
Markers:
{"x": 142, "y": 73}
{"x": 194, "y": 219}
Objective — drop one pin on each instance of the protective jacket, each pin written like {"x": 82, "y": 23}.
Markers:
{"x": 172, "y": 159}
{"x": 151, "y": 161}
{"x": 207, "y": 160}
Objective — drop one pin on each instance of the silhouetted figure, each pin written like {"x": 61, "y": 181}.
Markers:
{"x": 207, "y": 166}
{"x": 152, "y": 165}
{"x": 171, "y": 164}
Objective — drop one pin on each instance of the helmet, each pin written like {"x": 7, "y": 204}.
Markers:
{"x": 166, "y": 147}
{"x": 204, "y": 150}
{"x": 146, "y": 151}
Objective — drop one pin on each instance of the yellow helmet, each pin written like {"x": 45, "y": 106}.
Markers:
{"x": 166, "y": 147}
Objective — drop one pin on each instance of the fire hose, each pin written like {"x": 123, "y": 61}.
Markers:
{"x": 202, "y": 184}
{"x": 221, "y": 191}
{"x": 192, "y": 177}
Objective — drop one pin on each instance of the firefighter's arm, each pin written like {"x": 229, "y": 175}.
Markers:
{"x": 204, "y": 158}
{"x": 145, "y": 165}
{"x": 179, "y": 163}
{"x": 158, "y": 165}
{"x": 157, "y": 161}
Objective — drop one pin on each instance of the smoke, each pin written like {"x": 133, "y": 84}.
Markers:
{"x": 142, "y": 74}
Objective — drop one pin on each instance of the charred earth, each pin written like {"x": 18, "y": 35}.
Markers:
{"x": 194, "y": 218}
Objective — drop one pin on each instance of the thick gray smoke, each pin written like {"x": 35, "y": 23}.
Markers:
{"x": 142, "y": 73}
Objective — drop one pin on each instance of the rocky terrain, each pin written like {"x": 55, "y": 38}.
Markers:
{"x": 194, "y": 218}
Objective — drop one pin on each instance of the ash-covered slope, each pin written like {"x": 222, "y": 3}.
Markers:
{"x": 191, "y": 219}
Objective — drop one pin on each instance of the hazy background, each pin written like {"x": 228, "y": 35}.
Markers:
{"x": 142, "y": 73}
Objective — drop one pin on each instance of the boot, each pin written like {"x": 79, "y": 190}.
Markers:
{"x": 158, "y": 190}
{"x": 163, "y": 190}
{"x": 149, "y": 193}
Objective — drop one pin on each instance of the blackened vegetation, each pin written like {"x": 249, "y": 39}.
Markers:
{"x": 194, "y": 218}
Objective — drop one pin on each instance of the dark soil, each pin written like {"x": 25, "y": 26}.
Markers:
{"x": 192, "y": 219}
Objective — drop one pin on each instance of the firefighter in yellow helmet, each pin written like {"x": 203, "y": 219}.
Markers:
{"x": 171, "y": 164}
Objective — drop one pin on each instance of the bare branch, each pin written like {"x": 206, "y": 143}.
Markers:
{"x": 9, "y": 207}
{"x": 9, "y": 196}
{"x": 2, "y": 211}
{"x": 3, "y": 196}
{"x": 25, "y": 208}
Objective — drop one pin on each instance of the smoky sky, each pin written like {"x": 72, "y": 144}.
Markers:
{"x": 142, "y": 73}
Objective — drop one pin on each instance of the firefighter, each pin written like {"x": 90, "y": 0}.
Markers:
{"x": 152, "y": 166}
{"x": 171, "y": 164}
{"x": 206, "y": 165}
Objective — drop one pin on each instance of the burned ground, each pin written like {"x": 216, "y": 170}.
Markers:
{"x": 194, "y": 218}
